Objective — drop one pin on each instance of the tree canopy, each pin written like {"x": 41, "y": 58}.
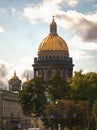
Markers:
{"x": 32, "y": 97}
{"x": 72, "y": 95}
{"x": 58, "y": 88}
{"x": 84, "y": 86}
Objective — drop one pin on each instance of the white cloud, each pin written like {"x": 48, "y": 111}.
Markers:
{"x": 77, "y": 43}
{"x": 46, "y": 9}
{"x": 73, "y": 3}
{"x": 84, "y": 26}
{"x": 13, "y": 10}
{"x": 2, "y": 29}
{"x": 84, "y": 54}
{"x": 2, "y": 10}
{"x": 40, "y": 12}
{"x": 4, "y": 68}
{"x": 27, "y": 73}
{"x": 95, "y": 6}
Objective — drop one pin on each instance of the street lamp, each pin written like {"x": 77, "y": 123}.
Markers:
{"x": 56, "y": 114}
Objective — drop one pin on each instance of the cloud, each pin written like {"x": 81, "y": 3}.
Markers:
{"x": 81, "y": 25}
{"x": 27, "y": 73}
{"x": 1, "y": 29}
{"x": 13, "y": 10}
{"x": 2, "y": 10}
{"x": 95, "y": 6}
{"x": 73, "y": 3}
{"x": 4, "y": 68}
{"x": 47, "y": 8}
{"x": 33, "y": 12}
{"x": 91, "y": 33}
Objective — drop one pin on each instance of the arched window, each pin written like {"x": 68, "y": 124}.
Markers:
{"x": 53, "y": 56}
{"x": 57, "y": 57}
{"x": 46, "y": 57}
{"x": 61, "y": 57}
{"x": 50, "y": 57}
{"x": 42, "y": 57}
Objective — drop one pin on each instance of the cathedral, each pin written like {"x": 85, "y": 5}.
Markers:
{"x": 53, "y": 56}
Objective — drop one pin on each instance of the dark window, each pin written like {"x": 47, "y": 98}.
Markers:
{"x": 50, "y": 57}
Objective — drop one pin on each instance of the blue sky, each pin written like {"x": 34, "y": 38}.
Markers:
{"x": 25, "y": 23}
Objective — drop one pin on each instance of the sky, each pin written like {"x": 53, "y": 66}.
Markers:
{"x": 25, "y": 23}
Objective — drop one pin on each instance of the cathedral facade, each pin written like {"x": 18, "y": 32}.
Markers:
{"x": 53, "y": 56}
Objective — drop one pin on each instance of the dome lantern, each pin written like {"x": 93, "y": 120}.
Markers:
{"x": 53, "y": 27}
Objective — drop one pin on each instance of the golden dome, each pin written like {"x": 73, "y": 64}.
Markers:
{"x": 25, "y": 83}
{"x": 53, "y": 41}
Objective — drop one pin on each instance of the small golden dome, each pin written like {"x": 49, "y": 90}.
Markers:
{"x": 14, "y": 80}
{"x": 15, "y": 77}
{"x": 27, "y": 80}
{"x": 53, "y": 41}
{"x": 25, "y": 84}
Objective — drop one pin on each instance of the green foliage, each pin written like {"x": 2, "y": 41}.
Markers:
{"x": 95, "y": 111}
{"x": 32, "y": 97}
{"x": 84, "y": 86}
{"x": 72, "y": 96}
{"x": 65, "y": 112}
{"x": 58, "y": 88}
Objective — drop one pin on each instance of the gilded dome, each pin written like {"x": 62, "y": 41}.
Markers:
{"x": 53, "y": 41}
{"x": 25, "y": 83}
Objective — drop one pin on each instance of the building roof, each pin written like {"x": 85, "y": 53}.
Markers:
{"x": 14, "y": 80}
{"x": 53, "y": 41}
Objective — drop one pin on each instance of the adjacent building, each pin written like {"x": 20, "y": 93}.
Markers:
{"x": 11, "y": 115}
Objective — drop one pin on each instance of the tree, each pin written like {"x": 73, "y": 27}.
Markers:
{"x": 32, "y": 97}
{"x": 84, "y": 86}
{"x": 58, "y": 88}
{"x": 94, "y": 111}
{"x": 67, "y": 113}
{"x": 74, "y": 93}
